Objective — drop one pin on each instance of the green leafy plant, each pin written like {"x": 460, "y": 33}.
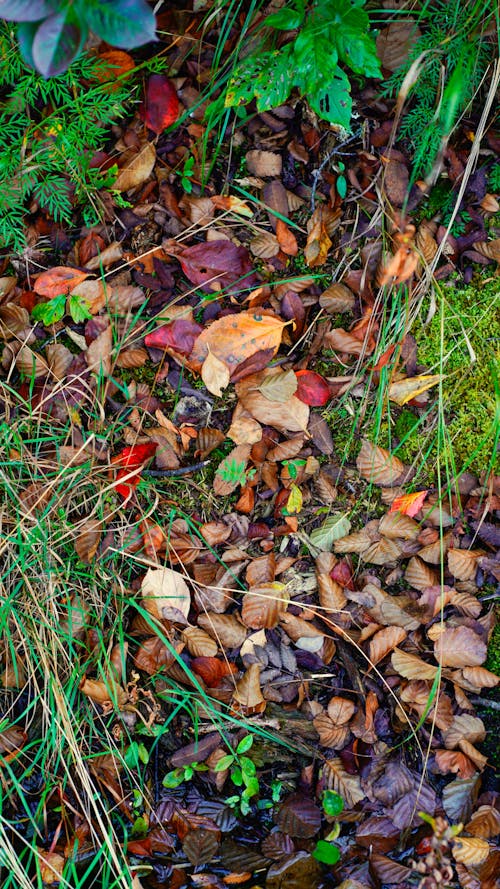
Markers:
{"x": 331, "y": 33}
{"x": 52, "y": 33}
{"x": 49, "y": 130}
{"x": 186, "y": 174}
{"x": 454, "y": 50}
{"x": 55, "y": 309}
{"x": 183, "y": 774}
{"x": 325, "y": 850}
{"x": 233, "y": 472}
{"x": 242, "y": 773}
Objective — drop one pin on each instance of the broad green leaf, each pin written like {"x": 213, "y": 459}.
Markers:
{"x": 78, "y": 308}
{"x": 285, "y": 19}
{"x": 245, "y": 744}
{"x": 332, "y": 99}
{"x": 25, "y": 10}
{"x": 247, "y": 766}
{"x": 51, "y": 311}
{"x": 332, "y": 803}
{"x": 358, "y": 51}
{"x": 173, "y": 779}
{"x": 57, "y": 42}
{"x": 224, "y": 763}
{"x": 328, "y": 853}
{"x": 332, "y": 529}
{"x": 237, "y": 776}
{"x": 252, "y": 787}
{"x": 123, "y": 23}
{"x": 274, "y": 84}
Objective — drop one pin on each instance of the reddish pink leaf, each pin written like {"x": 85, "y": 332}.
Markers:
{"x": 217, "y": 264}
{"x": 312, "y": 389}
{"x": 129, "y": 459}
{"x": 342, "y": 573}
{"x": 179, "y": 335}
{"x": 409, "y": 504}
{"x": 161, "y": 105}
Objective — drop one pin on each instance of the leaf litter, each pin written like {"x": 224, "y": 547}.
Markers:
{"x": 333, "y": 609}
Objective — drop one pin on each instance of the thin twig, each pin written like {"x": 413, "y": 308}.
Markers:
{"x": 182, "y": 470}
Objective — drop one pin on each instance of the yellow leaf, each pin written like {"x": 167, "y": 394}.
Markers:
{"x": 214, "y": 374}
{"x": 294, "y": 502}
{"x": 234, "y": 338}
{"x": 403, "y": 391}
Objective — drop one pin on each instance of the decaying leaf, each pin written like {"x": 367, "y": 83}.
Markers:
{"x": 166, "y": 594}
{"x": 402, "y": 391}
{"x": 377, "y": 465}
{"x": 215, "y": 374}
{"x": 235, "y": 338}
{"x": 471, "y": 851}
{"x": 137, "y": 168}
{"x": 459, "y": 647}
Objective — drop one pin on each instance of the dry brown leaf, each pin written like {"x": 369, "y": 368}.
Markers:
{"x": 153, "y": 655}
{"x": 279, "y": 387}
{"x": 459, "y": 647}
{"x": 340, "y": 710}
{"x": 263, "y": 606}
{"x": 215, "y": 374}
{"x": 402, "y": 391}
{"x": 470, "y": 851}
{"x": 264, "y": 163}
{"x": 337, "y": 299}
{"x": 462, "y": 563}
{"x": 88, "y": 540}
{"x": 480, "y": 677}
{"x": 208, "y": 440}
{"x": 98, "y": 354}
{"x": 425, "y": 241}
{"x": 224, "y": 628}
{"x": 394, "y": 525}
{"x": 384, "y": 641}
{"x": 357, "y": 542}
{"x": 412, "y": 667}
{"x": 59, "y": 359}
{"x": 137, "y": 168}
{"x": 131, "y": 358}
{"x": 419, "y": 575}
{"x": 51, "y": 866}
{"x": 286, "y": 238}
{"x": 337, "y": 778}
{"x": 331, "y": 735}
{"x": 318, "y": 241}
{"x": 378, "y": 466}
{"x": 289, "y": 416}
{"x": 490, "y": 249}
{"x": 464, "y": 727}
{"x": 199, "y": 643}
{"x": 395, "y": 42}
{"x": 103, "y": 692}
{"x": 382, "y": 552}
{"x": 244, "y": 429}
{"x": 342, "y": 341}
{"x": 265, "y": 245}
{"x": 227, "y": 479}
{"x": 455, "y": 761}
{"x": 14, "y": 320}
{"x": 30, "y": 363}
{"x": 166, "y": 594}
{"x": 485, "y": 822}
{"x": 248, "y": 695}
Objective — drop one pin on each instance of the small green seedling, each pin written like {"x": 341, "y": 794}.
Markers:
{"x": 325, "y": 850}
{"x": 242, "y": 774}
{"x": 55, "y": 309}
{"x": 182, "y": 774}
{"x": 187, "y": 174}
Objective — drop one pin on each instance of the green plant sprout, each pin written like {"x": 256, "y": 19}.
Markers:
{"x": 187, "y": 173}
{"x": 182, "y": 774}
{"x": 242, "y": 774}
{"x": 325, "y": 850}
{"x": 57, "y": 307}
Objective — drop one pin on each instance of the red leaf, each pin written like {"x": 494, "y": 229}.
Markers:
{"x": 212, "y": 670}
{"x": 179, "y": 335}
{"x": 217, "y": 264}
{"x": 342, "y": 573}
{"x": 61, "y": 279}
{"x": 312, "y": 389}
{"x": 129, "y": 459}
{"x": 409, "y": 504}
{"x": 161, "y": 106}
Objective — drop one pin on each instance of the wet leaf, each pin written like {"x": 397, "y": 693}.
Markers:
{"x": 200, "y": 846}
{"x": 347, "y": 786}
{"x": 299, "y": 816}
{"x": 137, "y": 168}
{"x": 312, "y": 389}
{"x": 161, "y": 103}
{"x": 60, "y": 279}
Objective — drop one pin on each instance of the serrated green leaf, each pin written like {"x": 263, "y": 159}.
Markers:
{"x": 245, "y": 744}
{"x": 78, "y": 308}
{"x": 51, "y": 311}
{"x": 332, "y": 529}
{"x": 326, "y": 852}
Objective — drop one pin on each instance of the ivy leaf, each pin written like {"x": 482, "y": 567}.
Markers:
{"x": 123, "y": 23}
{"x": 57, "y": 42}
{"x": 51, "y": 311}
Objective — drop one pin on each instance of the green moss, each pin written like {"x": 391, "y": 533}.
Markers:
{"x": 493, "y": 660}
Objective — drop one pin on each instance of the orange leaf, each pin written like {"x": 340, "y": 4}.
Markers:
{"x": 409, "y": 504}
{"x": 286, "y": 239}
{"x": 400, "y": 267}
{"x": 318, "y": 242}
{"x": 61, "y": 279}
{"x": 235, "y": 338}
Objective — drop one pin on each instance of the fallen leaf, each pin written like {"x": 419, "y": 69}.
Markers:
{"x": 412, "y": 667}
{"x": 179, "y": 335}
{"x": 215, "y": 374}
{"x": 137, "y": 168}
{"x": 248, "y": 696}
{"x": 403, "y": 391}
{"x": 263, "y": 606}
{"x": 264, "y": 163}
{"x": 161, "y": 103}
{"x": 459, "y": 647}
{"x": 286, "y": 238}
{"x": 409, "y": 504}
{"x": 289, "y": 416}
{"x": 335, "y": 527}
{"x": 337, "y": 778}
{"x": 60, "y": 279}
{"x": 165, "y": 593}
{"x": 312, "y": 388}
{"x": 279, "y": 387}
{"x": 299, "y": 816}
{"x": 384, "y": 641}
{"x": 470, "y": 851}
{"x": 318, "y": 241}
{"x": 217, "y": 265}
{"x": 378, "y": 466}
{"x": 234, "y": 338}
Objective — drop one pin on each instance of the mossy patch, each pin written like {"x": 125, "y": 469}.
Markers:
{"x": 493, "y": 660}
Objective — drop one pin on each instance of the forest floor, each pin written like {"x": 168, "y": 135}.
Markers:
{"x": 250, "y": 502}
